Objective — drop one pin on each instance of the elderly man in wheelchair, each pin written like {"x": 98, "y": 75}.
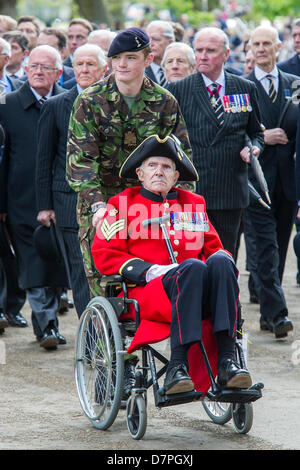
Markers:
{"x": 158, "y": 237}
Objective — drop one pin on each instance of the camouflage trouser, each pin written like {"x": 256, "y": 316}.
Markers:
{"x": 86, "y": 237}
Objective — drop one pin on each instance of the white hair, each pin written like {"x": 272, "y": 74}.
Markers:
{"x": 5, "y": 46}
{"x": 168, "y": 30}
{"x": 51, "y": 50}
{"x": 93, "y": 48}
{"x": 266, "y": 28}
{"x": 187, "y": 50}
{"x": 217, "y": 32}
{"x": 102, "y": 34}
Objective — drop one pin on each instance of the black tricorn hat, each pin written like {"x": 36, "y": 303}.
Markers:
{"x": 129, "y": 40}
{"x": 6, "y": 248}
{"x": 154, "y": 146}
{"x": 50, "y": 246}
{"x": 296, "y": 244}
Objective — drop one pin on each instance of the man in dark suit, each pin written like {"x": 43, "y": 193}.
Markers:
{"x": 55, "y": 199}
{"x": 161, "y": 34}
{"x": 12, "y": 298}
{"x": 78, "y": 31}
{"x": 217, "y": 130}
{"x": 19, "y": 51}
{"x": 58, "y": 39}
{"x": 19, "y": 116}
{"x": 273, "y": 228}
{"x": 298, "y": 164}
{"x": 292, "y": 66}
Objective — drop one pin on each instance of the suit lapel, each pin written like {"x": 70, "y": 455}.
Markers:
{"x": 284, "y": 85}
{"x": 26, "y": 96}
{"x": 201, "y": 96}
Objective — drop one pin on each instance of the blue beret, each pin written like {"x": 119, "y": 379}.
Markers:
{"x": 129, "y": 40}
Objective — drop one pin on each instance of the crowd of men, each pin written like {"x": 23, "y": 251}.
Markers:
{"x": 60, "y": 161}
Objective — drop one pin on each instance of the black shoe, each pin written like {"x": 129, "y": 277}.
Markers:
{"x": 17, "y": 320}
{"x": 65, "y": 303}
{"x": 265, "y": 325}
{"x": 178, "y": 380}
{"x": 281, "y": 326}
{"x": 230, "y": 375}
{"x": 129, "y": 377}
{"x": 49, "y": 339}
{"x": 3, "y": 321}
{"x": 60, "y": 337}
{"x": 298, "y": 279}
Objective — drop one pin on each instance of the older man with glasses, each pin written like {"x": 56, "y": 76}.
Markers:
{"x": 19, "y": 117}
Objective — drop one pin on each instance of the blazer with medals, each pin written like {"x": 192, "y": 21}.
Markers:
{"x": 19, "y": 116}
{"x": 123, "y": 246}
{"x": 223, "y": 176}
{"x": 278, "y": 160}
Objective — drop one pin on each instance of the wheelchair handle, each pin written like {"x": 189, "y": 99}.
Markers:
{"x": 161, "y": 222}
{"x": 156, "y": 220}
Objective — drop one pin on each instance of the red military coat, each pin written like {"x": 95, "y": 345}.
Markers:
{"x": 122, "y": 245}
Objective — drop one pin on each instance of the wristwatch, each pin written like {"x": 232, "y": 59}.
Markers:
{"x": 97, "y": 206}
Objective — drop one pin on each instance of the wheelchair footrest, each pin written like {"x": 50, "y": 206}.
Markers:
{"x": 237, "y": 395}
{"x": 163, "y": 400}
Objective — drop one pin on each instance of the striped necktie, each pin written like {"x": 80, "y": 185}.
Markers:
{"x": 272, "y": 91}
{"x": 216, "y": 102}
{"x": 162, "y": 78}
{"x": 43, "y": 99}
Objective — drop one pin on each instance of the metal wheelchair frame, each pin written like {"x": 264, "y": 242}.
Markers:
{"x": 99, "y": 371}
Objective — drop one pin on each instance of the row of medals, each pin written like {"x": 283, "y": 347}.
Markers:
{"x": 234, "y": 103}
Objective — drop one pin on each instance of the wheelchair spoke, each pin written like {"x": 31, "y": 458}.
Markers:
{"x": 98, "y": 368}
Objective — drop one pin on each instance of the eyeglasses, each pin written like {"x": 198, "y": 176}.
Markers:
{"x": 44, "y": 68}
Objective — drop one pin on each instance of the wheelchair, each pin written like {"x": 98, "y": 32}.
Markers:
{"x": 101, "y": 344}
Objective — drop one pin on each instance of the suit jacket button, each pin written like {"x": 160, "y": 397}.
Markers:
{"x": 176, "y": 242}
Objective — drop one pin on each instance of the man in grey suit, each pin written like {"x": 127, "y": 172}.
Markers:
{"x": 19, "y": 116}
{"x": 219, "y": 109}
{"x": 55, "y": 199}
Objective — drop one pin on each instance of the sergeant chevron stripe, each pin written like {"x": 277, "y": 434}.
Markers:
{"x": 109, "y": 230}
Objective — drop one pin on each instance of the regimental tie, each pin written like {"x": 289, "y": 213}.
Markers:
{"x": 216, "y": 101}
{"x": 43, "y": 99}
{"x": 162, "y": 78}
{"x": 272, "y": 91}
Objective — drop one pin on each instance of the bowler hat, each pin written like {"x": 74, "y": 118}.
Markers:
{"x": 296, "y": 244}
{"x": 49, "y": 244}
{"x": 129, "y": 40}
{"x": 6, "y": 248}
{"x": 154, "y": 146}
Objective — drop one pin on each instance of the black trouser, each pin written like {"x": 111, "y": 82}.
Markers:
{"x": 198, "y": 290}
{"x": 271, "y": 228}
{"x": 227, "y": 223}
{"x": 80, "y": 286}
{"x": 12, "y": 297}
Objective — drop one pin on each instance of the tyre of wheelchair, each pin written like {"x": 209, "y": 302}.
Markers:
{"x": 99, "y": 363}
{"x": 136, "y": 411}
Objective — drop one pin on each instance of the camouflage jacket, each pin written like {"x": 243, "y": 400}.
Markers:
{"x": 103, "y": 132}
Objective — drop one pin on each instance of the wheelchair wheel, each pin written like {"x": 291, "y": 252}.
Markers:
{"x": 99, "y": 367}
{"x": 219, "y": 413}
{"x": 136, "y": 416}
{"x": 242, "y": 416}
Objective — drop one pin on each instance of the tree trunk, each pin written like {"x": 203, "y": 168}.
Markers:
{"x": 93, "y": 10}
{"x": 8, "y": 7}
